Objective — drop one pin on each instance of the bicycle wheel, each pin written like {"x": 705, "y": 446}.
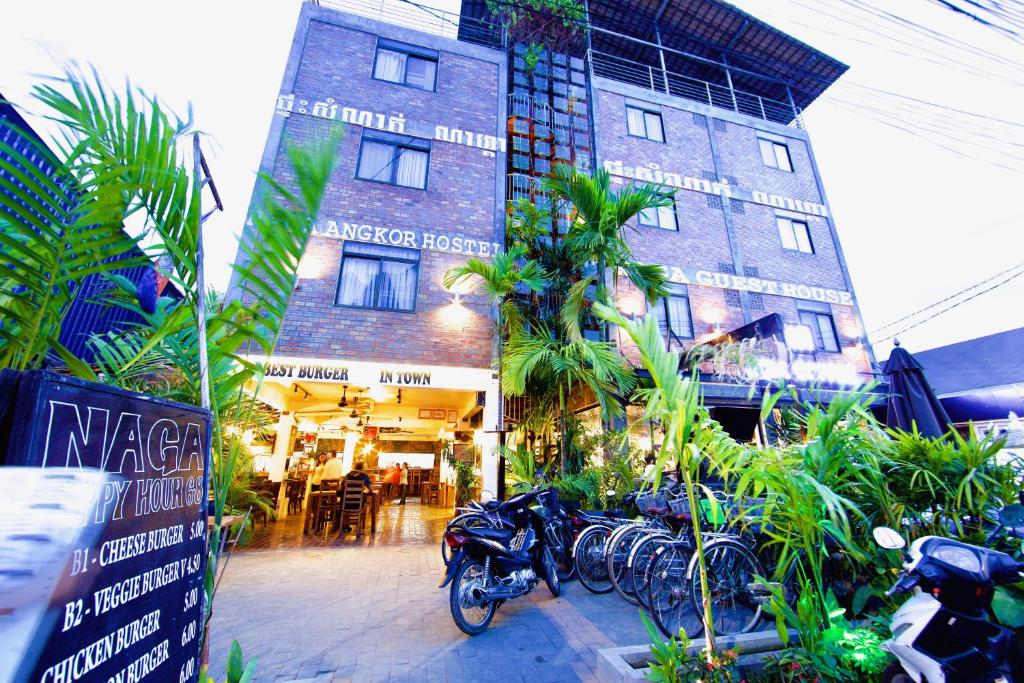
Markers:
{"x": 639, "y": 562}
{"x": 731, "y": 569}
{"x": 619, "y": 547}
{"x": 588, "y": 559}
{"x": 668, "y": 592}
{"x": 561, "y": 543}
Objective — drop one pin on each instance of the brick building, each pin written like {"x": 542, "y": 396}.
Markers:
{"x": 445, "y": 122}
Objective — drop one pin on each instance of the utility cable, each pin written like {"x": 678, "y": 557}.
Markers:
{"x": 951, "y": 307}
{"x": 942, "y": 301}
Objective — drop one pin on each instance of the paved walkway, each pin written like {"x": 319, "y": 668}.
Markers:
{"x": 374, "y": 613}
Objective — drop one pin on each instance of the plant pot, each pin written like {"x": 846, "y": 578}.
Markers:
{"x": 147, "y": 513}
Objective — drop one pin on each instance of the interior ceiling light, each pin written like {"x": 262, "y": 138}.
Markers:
{"x": 354, "y": 413}
{"x": 344, "y": 397}
{"x": 399, "y": 397}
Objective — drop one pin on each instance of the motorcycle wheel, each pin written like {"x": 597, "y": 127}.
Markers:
{"x": 469, "y": 614}
{"x": 551, "y": 573}
{"x": 588, "y": 558}
{"x": 894, "y": 673}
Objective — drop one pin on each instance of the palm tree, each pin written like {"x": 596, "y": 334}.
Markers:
{"x": 119, "y": 158}
{"x": 548, "y": 359}
{"x": 597, "y": 232}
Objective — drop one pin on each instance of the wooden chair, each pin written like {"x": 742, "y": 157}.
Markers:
{"x": 328, "y": 512}
{"x": 353, "y": 506}
{"x": 295, "y": 492}
{"x": 269, "y": 491}
{"x": 330, "y": 484}
{"x": 432, "y": 491}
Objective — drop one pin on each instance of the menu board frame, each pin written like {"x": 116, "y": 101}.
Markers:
{"x": 129, "y": 606}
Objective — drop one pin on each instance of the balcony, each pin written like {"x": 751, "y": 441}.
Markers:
{"x": 656, "y": 79}
{"x": 421, "y": 18}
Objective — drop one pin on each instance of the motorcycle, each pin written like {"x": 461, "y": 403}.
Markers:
{"x": 489, "y": 566}
{"x": 945, "y": 631}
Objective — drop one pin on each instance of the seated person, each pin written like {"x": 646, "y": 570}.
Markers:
{"x": 333, "y": 468}
{"x": 358, "y": 473}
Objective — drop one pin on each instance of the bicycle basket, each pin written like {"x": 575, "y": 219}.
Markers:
{"x": 679, "y": 505}
{"x": 651, "y": 501}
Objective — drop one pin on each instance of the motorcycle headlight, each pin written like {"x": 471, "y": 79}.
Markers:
{"x": 961, "y": 558}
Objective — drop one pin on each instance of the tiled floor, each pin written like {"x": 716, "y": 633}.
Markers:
{"x": 373, "y": 612}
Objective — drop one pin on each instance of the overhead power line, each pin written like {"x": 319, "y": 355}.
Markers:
{"x": 948, "y": 298}
{"x": 952, "y": 306}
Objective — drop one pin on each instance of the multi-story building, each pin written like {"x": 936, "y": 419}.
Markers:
{"x": 445, "y": 122}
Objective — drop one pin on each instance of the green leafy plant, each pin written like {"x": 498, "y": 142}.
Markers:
{"x": 237, "y": 671}
{"x": 558, "y": 24}
{"x": 532, "y": 56}
{"x": 673, "y": 662}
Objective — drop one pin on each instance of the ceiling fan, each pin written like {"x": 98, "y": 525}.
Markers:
{"x": 343, "y": 403}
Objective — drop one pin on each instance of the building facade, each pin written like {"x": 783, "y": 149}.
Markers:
{"x": 445, "y": 121}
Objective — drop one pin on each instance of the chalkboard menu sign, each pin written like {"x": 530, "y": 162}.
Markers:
{"x": 127, "y": 607}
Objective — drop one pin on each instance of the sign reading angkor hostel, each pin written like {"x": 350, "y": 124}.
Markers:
{"x": 413, "y": 239}
{"x": 758, "y": 285}
{"x": 128, "y": 604}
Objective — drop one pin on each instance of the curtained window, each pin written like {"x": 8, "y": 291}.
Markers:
{"x": 818, "y": 317}
{"x": 394, "y": 159}
{"x": 644, "y": 123}
{"x": 663, "y": 217}
{"x": 795, "y": 235}
{"x": 405, "y": 64}
{"x": 673, "y": 314}
{"x": 775, "y": 154}
{"x": 378, "y": 276}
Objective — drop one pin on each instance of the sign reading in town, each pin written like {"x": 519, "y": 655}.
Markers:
{"x": 128, "y": 605}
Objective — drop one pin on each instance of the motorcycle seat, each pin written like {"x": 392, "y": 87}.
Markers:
{"x": 493, "y": 534}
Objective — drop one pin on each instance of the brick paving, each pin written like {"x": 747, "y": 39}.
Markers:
{"x": 374, "y": 613}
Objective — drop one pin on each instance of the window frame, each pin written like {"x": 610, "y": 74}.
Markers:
{"x": 376, "y": 282}
{"x": 819, "y": 311}
{"x": 646, "y": 110}
{"x": 658, "y": 226}
{"x": 409, "y": 51}
{"x": 678, "y": 291}
{"x": 775, "y": 145}
{"x": 807, "y": 233}
{"x": 397, "y": 142}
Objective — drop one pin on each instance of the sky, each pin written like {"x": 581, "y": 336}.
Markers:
{"x": 918, "y": 221}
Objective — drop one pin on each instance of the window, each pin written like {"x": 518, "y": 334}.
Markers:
{"x": 377, "y": 276}
{"x": 775, "y": 154}
{"x": 663, "y": 217}
{"x": 395, "y": 159}
{"x": 818, "y": 317}
{"x": 405, "y": 64}
{"x": 795, "y": 235}
{"x": 673, "y": 313}
{"x": 643, "y": 123}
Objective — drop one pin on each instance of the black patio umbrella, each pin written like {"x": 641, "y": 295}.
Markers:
{"x": 911, "y": 399}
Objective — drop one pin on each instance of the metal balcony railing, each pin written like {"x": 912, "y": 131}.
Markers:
{"x": 421, "y": 18}
{"x": 655, "y": 78}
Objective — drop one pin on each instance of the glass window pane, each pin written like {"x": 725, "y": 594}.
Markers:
{"x": 412, "y": 168}
{"x": 782, "y": 157}
{"x": 375, "y": 161}
{"x": 654, "y": 131}
{"x": 397, "y": 286}
{"x": 659, "y": 314}
{"x": 357, "y": 279}
{"x": 667, "y": 217}
{"x": 390, "y": 66}
{"x": 648, "y": 217}
{"x": 803, "y": 239}
{"x": 635, "y": 122}
{"x": 679, "y": 316}
{"x": 420, "y": 73}
{"x": 786, "y": 233}
{"x": 767, "y": 153}
{"x": 827, "y": 333}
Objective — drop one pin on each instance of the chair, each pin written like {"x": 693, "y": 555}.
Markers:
{"x": 269, "y": 490}
{"x": 330, "y": 484}
{"x": 432, "y": 490}
{"x": 327, "y": 512}
{"x": 353, "y": 506}
{"x": 295, "y": 492}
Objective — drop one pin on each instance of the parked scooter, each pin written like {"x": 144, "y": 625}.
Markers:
{"x": 489, "y": 566}
{"x": 945, "y": 631}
